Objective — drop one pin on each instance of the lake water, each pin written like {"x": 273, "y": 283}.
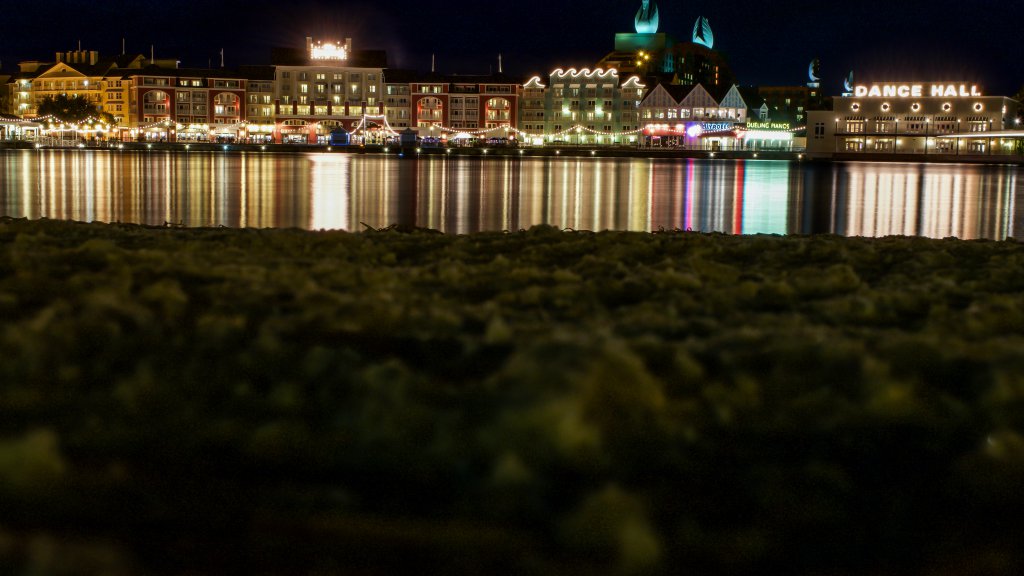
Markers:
{"x": 460, "y": 195}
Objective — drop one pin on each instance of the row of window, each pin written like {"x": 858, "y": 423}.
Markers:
{"x": 948, "y": 127}
{"x": 336, "y": 100}
{"x": 683, "y": 113}
{"x": 352, "y": 76}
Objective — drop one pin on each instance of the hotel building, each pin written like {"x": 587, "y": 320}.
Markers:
{"x": 693, "y": 116}
{"x": 180, "y": 104}
{"x": 463, "y": 107}
{"x": 259, "y": 96}
{"x": 327, "y": 87}
{"x": 581, "y": 107}
{"x": 913, "y": 118}
{"x": 79, "y": 73}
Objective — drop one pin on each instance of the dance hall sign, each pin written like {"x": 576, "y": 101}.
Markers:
{"x": 937, "y": 90}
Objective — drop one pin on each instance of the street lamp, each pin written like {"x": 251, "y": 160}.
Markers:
{"x": 927, "y": 123}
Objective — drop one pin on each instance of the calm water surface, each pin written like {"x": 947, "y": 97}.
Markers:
{"x": 460, "y": 195}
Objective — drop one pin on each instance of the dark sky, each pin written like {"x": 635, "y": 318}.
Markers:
{"x": 766, "y": 42}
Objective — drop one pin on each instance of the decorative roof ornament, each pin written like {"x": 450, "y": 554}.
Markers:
{"x": 814, "y": 71}
{"x": 702, "y": 33}
{"x": 848, "y": 83}
{"x": 647, "y": 17}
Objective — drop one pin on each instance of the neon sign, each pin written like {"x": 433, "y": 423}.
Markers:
{"x": 705, "y": 127}
{"x": 769, "y": 126}
{"x": 328, "y": 51}
{"x": 917, "y": 91}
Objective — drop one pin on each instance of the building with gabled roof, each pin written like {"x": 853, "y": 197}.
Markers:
{"x": 692, "y": 115}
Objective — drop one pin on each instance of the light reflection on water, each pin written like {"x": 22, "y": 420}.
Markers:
{"x": 461, "y": 195}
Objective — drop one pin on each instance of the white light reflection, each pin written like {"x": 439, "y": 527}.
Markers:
{"x": 330, "y": 189}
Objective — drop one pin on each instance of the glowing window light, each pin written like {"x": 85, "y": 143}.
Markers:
{"x": 328, "y": 51}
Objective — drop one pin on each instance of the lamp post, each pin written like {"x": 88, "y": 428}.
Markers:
{"x": 835, "y": 135}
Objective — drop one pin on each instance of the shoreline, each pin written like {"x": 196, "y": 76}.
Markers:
{"x": 535, "y": 152}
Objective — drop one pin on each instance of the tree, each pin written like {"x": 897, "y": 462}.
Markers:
{"x": 70, "y": 109}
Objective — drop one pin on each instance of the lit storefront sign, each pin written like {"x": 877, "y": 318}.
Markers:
{"x": 692, "y": 129}
{"x": 917, "y": 91}
{"x": 769, "y": 126}
{"x": 706, "y": 127}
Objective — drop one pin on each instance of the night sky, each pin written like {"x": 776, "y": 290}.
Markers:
{"x": 768, "y": 43}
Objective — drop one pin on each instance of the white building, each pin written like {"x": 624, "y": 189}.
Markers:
{"x": 914, "y": 118}
{"x": 328, "y": 87}
{"x": 692, "y": 116}
{"x": 581, "y": 107}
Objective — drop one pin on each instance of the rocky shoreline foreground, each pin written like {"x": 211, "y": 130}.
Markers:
{"x": 217, "y": 401}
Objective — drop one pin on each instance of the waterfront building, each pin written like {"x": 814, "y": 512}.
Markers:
{"x": 15, "y": 128}
{"x": 184, "y": 104}
{"x": 79, "y": 73}
{"x": 259, "y": 96}
{"x": 693, "y": 116}
{"x": 582, "y": 107}
{"x": 397, "y": 98}
{"x": 326, "y": 87}
{"x": 465, "y": 107}
{"x": 915, "y": 117}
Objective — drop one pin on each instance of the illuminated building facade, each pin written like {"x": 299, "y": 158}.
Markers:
{"x": 693, "y": 116}
{"x": 464, "y": 107}
{"x": 397, "y": 98}
{"x": 914, "y": 118}
{"x": 178, "y": 104}
{"x": 582, "y": 107}
{"x": 327, "y": 87}
{"x": 259, "y": 96}
{"x": 80, "y": 73}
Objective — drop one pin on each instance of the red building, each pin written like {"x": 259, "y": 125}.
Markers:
{"x": 177, "y": 104}
{"x": 448, "y": 106}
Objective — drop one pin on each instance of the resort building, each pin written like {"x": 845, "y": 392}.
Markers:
{"x": 327, "y": 87}
{"x": 464, "y": 107}
{"x": 581, "y": 107}
{"x": 15, "y": 128}
{"x": 915, "y": 118}
{"x": 397, "y": 98}
{"x": 693, "y": 116}
{"x": 79, "y": 73}
{"x": 259, "y": 96}
{"x": 180, "y": 104}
